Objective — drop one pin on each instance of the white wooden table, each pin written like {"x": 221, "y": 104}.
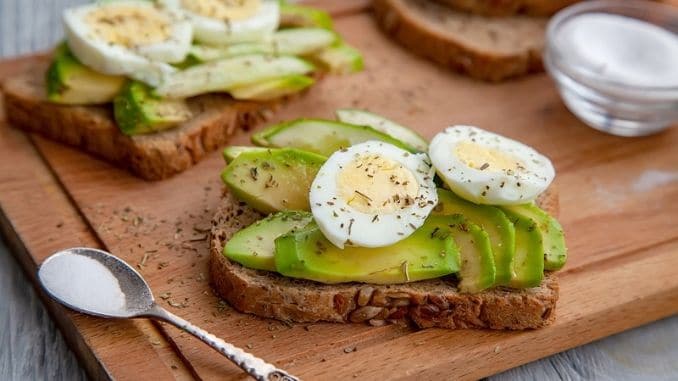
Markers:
{"x": 31, "y": 348}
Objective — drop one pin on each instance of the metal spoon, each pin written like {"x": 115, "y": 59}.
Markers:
{"x": 95, "y": 282}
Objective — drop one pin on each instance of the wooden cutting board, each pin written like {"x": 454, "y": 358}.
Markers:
{"x": 619, "y": 208}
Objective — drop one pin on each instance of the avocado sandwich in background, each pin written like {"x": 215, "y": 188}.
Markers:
{"x": 484, "y": 39}
{"x": 363, "y": 220}
{"x": 152, "y": 86}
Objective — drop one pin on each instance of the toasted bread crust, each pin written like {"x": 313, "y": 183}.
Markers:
{"x": 153, "y": 156}
{"x": 509, "y": 7}
{"x": 484, "y": 48}
{"x": 430, "y": 303}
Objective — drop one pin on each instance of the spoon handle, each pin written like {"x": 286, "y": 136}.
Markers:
{"x": 254, "y": 366}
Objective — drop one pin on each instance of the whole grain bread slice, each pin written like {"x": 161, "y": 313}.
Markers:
{"x": 430, "y": 303}
{"x": 509, "y": 7}
{"x": 152, "y": 156}
{"x": 487, "y": 48}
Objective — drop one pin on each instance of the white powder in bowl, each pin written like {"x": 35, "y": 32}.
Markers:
{"x": 621, "y": 49}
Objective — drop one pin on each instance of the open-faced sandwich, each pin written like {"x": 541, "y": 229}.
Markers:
{"x": 363, "y": 220}
{"x": 153, "y": 85}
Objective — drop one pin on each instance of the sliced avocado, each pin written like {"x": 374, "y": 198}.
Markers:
{"x": 272, "y": 88}
{"x": 339, "y": 58}
{"x": 493, "y": 221}
{"x": 555, "y": 251}
{"x": 70, "y": 82}
{"x": 254, "y": 246}
{"x": 477, "y": 264}
{"x": 231, "y": 152}
{"x": 307, "y": 254}
{"x": 292, "y": 15}
{"x": 273, "y": 180}
{"x": 302, "y": 41}
{"x": 528, "y": 260}
{"x": 296, "y": 41}
{"x": 229, "y": 73}
{"x": 320, "y": 136}
{"x": 379, "y": 123}
{"x": 138, "y": 111}
{"x": 205, "y": 53}
{"x": 189, "y": 61}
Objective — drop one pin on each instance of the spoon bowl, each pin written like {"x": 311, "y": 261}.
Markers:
{"x": 95, "y": 282}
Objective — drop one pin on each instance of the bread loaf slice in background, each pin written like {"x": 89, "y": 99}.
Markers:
{"x": 487, "y": 48}
{"x": 152, "y": 156}
{"x": 509, "y": 7}
{"x": 429, "y": 303}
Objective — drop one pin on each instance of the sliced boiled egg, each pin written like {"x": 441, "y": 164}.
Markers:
{"x": 487, "y": 168}
{"x": 221, "y": 22}
{"x": 372, "y": 194}
{"x": 133, "y": 38}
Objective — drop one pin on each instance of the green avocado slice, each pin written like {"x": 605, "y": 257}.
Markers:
{"x": 528, "y": 262}
{"x": 296, "y": 41}
{"x": 387, "y": 126}
{"x": 230, "y": 73}
{"x": 70, "y": 82}
{"x": 231, "y": 152}
{"x": 321, "y": 136}
{"x": 138, "y": 111}
{"x": 254, "y": 246}
{"x": 274, "y": 179}
{"x": 555, "y": 251}
{"x": 205, "y": 53}
{"x": 340, "y": 58}
{"x": 303, "y": 41}
{"x": 307, "y": 254}
{"x": 493, "y": 221}
{"x": 477, "y": 264}
{"x": 293, "y": 15}
{"x": 272, "y": 88}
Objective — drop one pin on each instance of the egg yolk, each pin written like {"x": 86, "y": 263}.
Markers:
{"x": 128, "y": 26}
{"x": 481, "y": 157}
{"x": 223, "y": 9}
{"x": 373, "y": 184}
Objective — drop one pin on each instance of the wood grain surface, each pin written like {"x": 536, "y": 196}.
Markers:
{"x": 618, "y": 209}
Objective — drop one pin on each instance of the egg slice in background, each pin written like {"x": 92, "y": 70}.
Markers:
{"x": 222, "y": 22}
{"x": 133, "y": 38}
{"x": 487, "y": 168}
{"x": 372, "y": 194}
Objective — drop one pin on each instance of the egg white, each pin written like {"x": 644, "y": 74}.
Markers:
{"x": 145, "y": 62}
{"x": 342, "y": 224}
{"x": 214, "y": 31}
{"x": 490, "y": 185}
